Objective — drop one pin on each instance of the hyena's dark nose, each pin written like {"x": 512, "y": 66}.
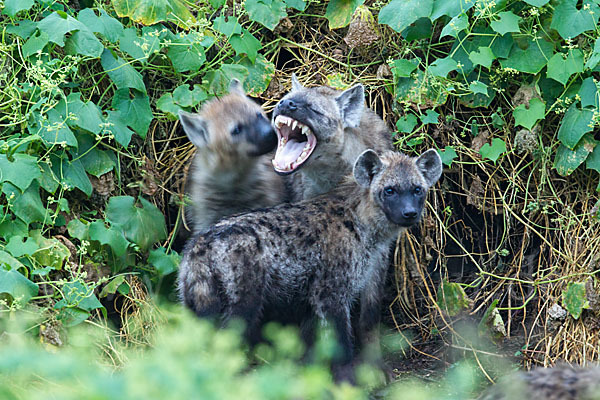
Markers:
{"x": 409, "y": 214}
{"x": 288, "y": 104}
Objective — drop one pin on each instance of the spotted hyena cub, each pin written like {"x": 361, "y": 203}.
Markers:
{"x": 231, "y": 172}
{"x": 314, "y": 258}
{"x": 321, "y": 131}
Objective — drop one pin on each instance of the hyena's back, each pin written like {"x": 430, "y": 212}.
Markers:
{"x": 562, "y": 382}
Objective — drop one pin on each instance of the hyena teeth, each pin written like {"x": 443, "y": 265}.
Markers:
{"x": 305, "y": 129}
{"x": 294, "y": 124}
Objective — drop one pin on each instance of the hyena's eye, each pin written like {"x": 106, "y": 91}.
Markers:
{"x": 388, "y": 191}
{"x": 236, "y": 131}
{"x": 418, "y": 190}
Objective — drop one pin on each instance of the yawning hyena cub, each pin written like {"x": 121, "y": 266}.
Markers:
{"x": 322, "y": 131}
{"x": 315, "y": 257}
{"x": 231, "y": 172}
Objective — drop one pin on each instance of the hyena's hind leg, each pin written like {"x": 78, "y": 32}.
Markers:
{"x": 200, "y": 290}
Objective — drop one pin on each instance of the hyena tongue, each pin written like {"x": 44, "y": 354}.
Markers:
{"x": 288, "y": 153}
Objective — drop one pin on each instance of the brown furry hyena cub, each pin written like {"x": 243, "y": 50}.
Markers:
{"x": 314, "y": 258}
{"x": 231, "y": 172}
{"x": 321, "y": 131}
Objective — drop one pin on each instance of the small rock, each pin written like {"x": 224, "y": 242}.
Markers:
{"x": 526, "y": 140}
{"x": 556, "y": 312}
{"x": 363, "y": 29}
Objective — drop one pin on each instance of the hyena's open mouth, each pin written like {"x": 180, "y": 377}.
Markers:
{"x": 296, "y": 143}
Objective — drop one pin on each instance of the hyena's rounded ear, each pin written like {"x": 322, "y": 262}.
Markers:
{"x": 195, "y": 127}
{"x": 296, "y": 85}
{"x": 352, "y": 103}
{"x": 367, "y": 165}
{"x": 430, "y": 165}
{"x": 235, "y": 86}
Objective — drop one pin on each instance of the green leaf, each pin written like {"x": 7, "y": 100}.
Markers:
{"x": 339, "y": 12}
{"x": 167, "y": 104}
{"x": 149, "y": 12}
{"x": 95, "y": 161}
{"x": 121, "y": 73}
{"x": 144, "y": 225}
{"x": 594, "y": 59}
{"x": 78, "y": 294}
{"x": 84, "y": 115}
{"x": 9, "y": 262}
{"x": 407, "y": 123}
{"x": 259, "y": 75}
{"x": 451, "y": 8}
{"x": 219, "y": 79}
{"x": 115, "y": 125}
{"x": 266, "y": 12}
{"x": 135, "y": 111}
{"x": 51, "y": 252}
{"x": 508, "y": 22}
{"x": 163, "y": 262}
{"x": 183, "y": 96}
{"x": 589, "y": 93}
{"x": 493, "y": 151}
{"x": 560, "y": 68}
{"x": 53, "y": 129}
{"x": 574, "y": 298}
{"x": 12, "y": 7}
{"x": 112, "y": 237}
{"x": 537, "y": 3}
{"x": 528, "y": 117}
{"x": 430, "y": 117}
{"x": 104, "y": 24}
{"x": 247, "y": 44}
{"x": 57, "y": 25}
{"x": 19, "y": 248}
{"x": 77, "y": 229}
{"x": 71, "y": 173}
{"x": 570, "y": 21}
{"x": 574, "y": 125}
{"x": 112, "y": 286}
{"x": 35, "y": 43}
{"x": 593, "y": 160}
{"x": 140, "y": 48}
{"x": 27, "y": 206}
{"x": 17, "y": 286}
{"x": 85, "y": 43}
{"x": 227, "y": 27}
{"x": 452, "y": 299}
{"x": 22, "y": 29}
{"x": 21, "y": 171}
{"x": 403, "y": 68}
{"x": 566, "y": 160}
{"x": 456, "y": 25}
{"x": 479, "y": 87}
{"x": 532, "y": 59}
{"x": 399, "y": 14}
{"x": 442, "y": 67}
{"x": 492, "y": 323}
{"x": 448, "y": 155}
{"x": 186, "y": 54}
{"x": 299, "y": 5}
{"x": 484, "y": 56}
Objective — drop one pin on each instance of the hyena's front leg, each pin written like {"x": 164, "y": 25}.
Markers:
{"x": 370, "y": 316}
{"x": 339, "y": 316}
